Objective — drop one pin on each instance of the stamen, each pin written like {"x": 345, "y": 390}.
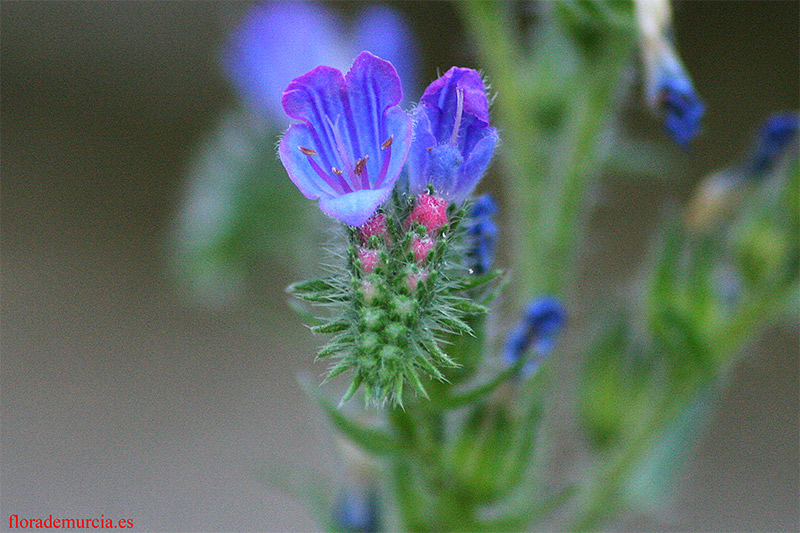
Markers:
{"x": 336, "y": 171}
{"x": 340, "y": 146}
{"x": 360, "y": 164}
{"x": 387, "y": 143}
{"x": 459, "y": 113}
{"x": 307, "y": 151}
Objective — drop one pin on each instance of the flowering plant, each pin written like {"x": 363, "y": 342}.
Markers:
{"x": 453, "y": 432}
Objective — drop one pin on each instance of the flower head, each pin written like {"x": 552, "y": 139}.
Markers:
{"x": 453, "y": 141}
{"x": 278, "y": 41}
{"x": 543, "y": 320}
{"x": 352, "y": 141}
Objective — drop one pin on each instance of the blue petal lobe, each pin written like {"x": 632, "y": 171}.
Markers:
{"x": 356, "y": 207}
{"x": 296, "y": 163}
{"x": 475, "y": 166}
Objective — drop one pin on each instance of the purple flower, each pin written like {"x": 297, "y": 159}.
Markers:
{"x": 353, "y": 140}
{"x": 543, "y": 320}
{"x": 453, "y": 141}
{"x": 278, "y": 41}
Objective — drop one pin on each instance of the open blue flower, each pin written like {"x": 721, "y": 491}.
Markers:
{"x": 353, "y": 140}
{"x": 278, "y": 41}
{"x": 453, "y": 142}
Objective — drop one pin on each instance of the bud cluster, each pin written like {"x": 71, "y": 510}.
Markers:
{"x": 400, "y": 293}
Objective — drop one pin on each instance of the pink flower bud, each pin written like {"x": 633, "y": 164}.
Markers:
{"x": 430, "y": 211}
{"x": 375, "y": 225}
{"x": 369, "y": 259}
{"x": 421, "y": 247}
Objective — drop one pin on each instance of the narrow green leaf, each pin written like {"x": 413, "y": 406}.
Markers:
{"x": 369, "y": 439}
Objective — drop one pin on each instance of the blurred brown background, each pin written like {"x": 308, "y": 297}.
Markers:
{"x": 120, "y": 397}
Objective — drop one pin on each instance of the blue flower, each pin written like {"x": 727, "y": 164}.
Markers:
{"x": 679, "y": 103}
{"x": 453, "y": 141}
{"x": 353, "y": 140}
{"x": 543, "y": 320}
{"x": 668, "y": 88}
{"x": 278, "y": 41}
{"x": 481, "y": 235}
{"x": 357, "y": 510}
{"x": 778, "y": 131}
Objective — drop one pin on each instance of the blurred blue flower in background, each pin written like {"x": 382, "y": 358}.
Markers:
{"x": 720, "y": 191}
{"x": 453, "y": 142}
{"x": 777, "y": 133}
{"x": 679, "y": 103}
{"x": 543, "y": 320}
{"x": 668, "y": 87}
{"x": 481, "y": 235}
{"x": 278, "y": 41}
{"x": 353, "y": 140}
{"x": 357, "y": 510}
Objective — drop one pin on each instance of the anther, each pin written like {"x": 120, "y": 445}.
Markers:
{"x": 387, "y": 143}
{"x": 360, "y": 164}
{"x": 307, "y": 151}
{"x": 336, "y": 171}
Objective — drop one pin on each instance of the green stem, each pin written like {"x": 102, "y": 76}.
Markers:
{"x": 501, "y": 58}
{"x": 603, "y": 494}
{"x": 576, "y": 162}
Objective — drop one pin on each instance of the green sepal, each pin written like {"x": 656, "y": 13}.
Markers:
{"x": 332, "y": 327}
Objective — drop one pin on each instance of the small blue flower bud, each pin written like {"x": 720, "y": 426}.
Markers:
{"x": 668, "y": 88}
{"x": 777, "y": 133}
{"x": 481, "y": 235}
{"x": 357, "y": 510}
{"x": 543, "y": 320}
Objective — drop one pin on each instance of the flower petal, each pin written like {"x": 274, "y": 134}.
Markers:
{"x": 419, "y": 155}
{"x": 398, "y": 126}
{"x": 297, "y": 165}
{"x": 356, "y": 207}
{"x": 372, "y": 87}
{"x": 474, "y": 167}
{"x": 442, "y": 95}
